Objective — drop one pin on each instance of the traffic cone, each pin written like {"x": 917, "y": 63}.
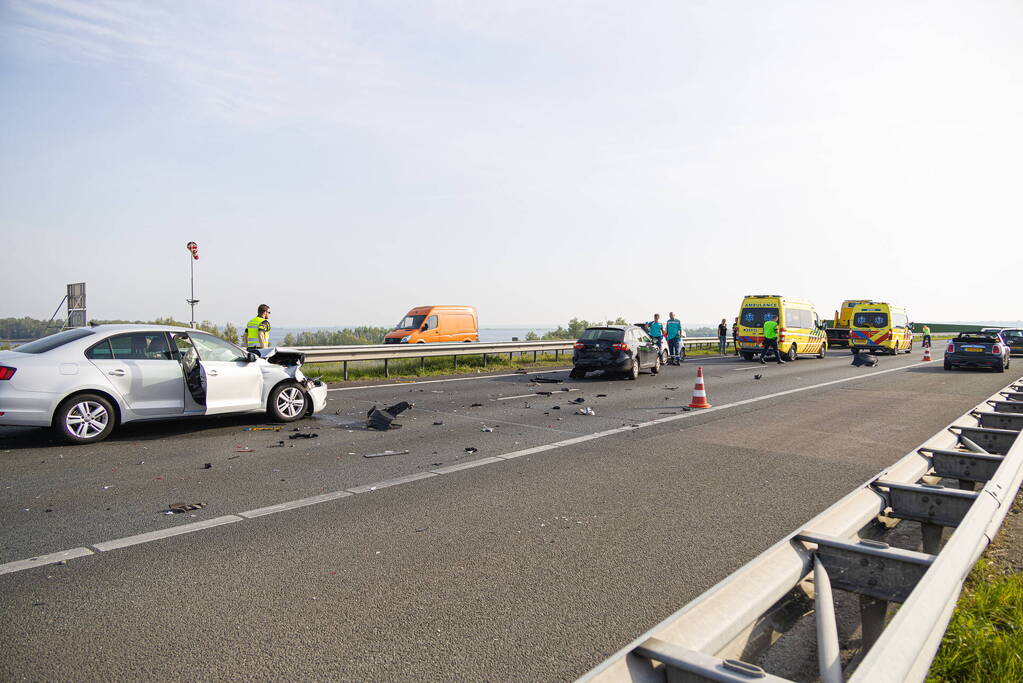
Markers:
{"x": 927, "y": 354}
{"x": 699, "y": 394}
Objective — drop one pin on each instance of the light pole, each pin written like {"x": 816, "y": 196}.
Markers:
{"x": 193, "y": 249}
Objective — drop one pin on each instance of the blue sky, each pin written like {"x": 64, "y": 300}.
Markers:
{"x": 344, "y": 161}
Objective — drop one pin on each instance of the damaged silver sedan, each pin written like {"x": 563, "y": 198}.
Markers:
{"x": 83, "y": 382}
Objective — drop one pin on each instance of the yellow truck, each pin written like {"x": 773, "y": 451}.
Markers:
{"x": 880, "y": 327}
{"x": 838, "y": 333}
{"x": 800, "y": 330}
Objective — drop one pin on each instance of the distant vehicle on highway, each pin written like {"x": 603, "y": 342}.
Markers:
{"x": 622, "y": 349}
{"x": 879, "y": 327}
{"x": 800, "y": 329}
{"x": 1013, "y": 337}
{"x": 86, "y": 381}
{"x": 429, "y": 324}
{"x": 838, "y": 333}
{"x": 977, "y": 350}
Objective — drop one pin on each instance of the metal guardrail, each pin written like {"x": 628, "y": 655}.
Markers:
{"x": 707, "y": 639}
{"x": 389, "y": 352}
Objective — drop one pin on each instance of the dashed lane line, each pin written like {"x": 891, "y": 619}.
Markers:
{"x": 107, "y": 546}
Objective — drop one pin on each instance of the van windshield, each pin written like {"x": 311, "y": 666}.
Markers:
{"x": 870, "y": 320}
{"x": 754, "y": 317}
{"x": 411, "y": 322}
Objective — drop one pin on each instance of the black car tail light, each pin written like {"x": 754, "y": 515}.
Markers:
{"x": 951, "y": 348}
{"x": 620, "y": 347}
{"x": 579, "y": 345}
{"x": 996, "y": 349}
{"x": 6, "y": 372}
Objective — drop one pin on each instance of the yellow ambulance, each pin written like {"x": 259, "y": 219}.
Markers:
{"x": 880, "y": 327}
{"x": 800, "y": 330}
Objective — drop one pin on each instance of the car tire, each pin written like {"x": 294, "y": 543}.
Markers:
{"x": 791, "y": 355}
{"x": 85, "y": 418}
{"x": 746, "y": 355}
{"x": 855, "y": 351}
{"x": 1000, "y": 367}
{"x": 633, "y": 372}
{"x": 287, "y": 402}
{"x": 577, "y": 373}
{"x": 823, "y": 352}
{"x": 657, "y": 366}
{"x": 948, "y": 366}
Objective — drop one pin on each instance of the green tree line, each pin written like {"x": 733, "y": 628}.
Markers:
{"x": 30, "y": 328}
{"x": 344, "y": 337}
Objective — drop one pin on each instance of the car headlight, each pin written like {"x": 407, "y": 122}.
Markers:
{"x": 404, "y": 340}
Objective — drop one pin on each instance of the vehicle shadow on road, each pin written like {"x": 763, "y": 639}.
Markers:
{"x": 23, "y": 438}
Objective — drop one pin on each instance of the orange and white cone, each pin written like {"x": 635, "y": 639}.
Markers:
{"x": 927, "y": 354}
{"x": 699, "y": 393}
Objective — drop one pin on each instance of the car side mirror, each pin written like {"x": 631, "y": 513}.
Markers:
{"x": 251, "y": 357}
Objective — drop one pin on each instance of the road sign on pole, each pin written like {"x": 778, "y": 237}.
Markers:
{"x": 193, "y": 249}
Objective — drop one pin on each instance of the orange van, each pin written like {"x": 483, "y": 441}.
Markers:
{"x": 436, "y": 324}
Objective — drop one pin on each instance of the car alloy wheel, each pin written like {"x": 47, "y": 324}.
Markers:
{"x": 634, "y": 370}
{"x": 87, "y": 420}
{"x": 290, "y": 402}
{"x": 791, "y": 355}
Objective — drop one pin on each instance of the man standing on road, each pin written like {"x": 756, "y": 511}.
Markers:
{"x": 927, "y": 335}
{"x": 673, "y": 330}
{"x": 257, "y": 331}
{"x": 770, "y": 338}
{"x": 656, "y": 331}
{"x": 722, "y": 337}
{"x": 735, "y": 335}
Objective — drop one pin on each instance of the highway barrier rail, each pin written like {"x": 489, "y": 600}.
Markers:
{"x": 389, "y": 352}
{"x": 739, "y": 618}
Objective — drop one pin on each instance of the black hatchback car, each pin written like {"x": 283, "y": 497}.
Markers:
{"x": 977, "y": 350}
{"x": 615, "y": 348}
{"x": 1013, "y": 336}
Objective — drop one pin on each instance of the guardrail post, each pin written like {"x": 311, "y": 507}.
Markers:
{"x": 931, "y": 536}
{"x": 534, "y": 356}
{"x": 484, "y": 360}
{"x": 557, "y": 355}
{"x": 454, "y": 362}
{"x": 345, "y": 369}
{"x": 422, "y": 363}
{"x": 872, "y": 615}
{"x": 829, "y": 660}
{"x": 387, "y": 372}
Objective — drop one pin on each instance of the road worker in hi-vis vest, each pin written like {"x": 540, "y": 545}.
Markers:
{"x": 257, "y": 332}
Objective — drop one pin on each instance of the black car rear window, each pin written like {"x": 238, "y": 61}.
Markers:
{"x": 602, "y": 334}
{"x": 977, "y": 338}
{"x": 53, "y": 341}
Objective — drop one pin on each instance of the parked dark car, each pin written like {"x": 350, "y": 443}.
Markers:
{"x": 977, "y": 350}
{"x": 663, "y": 343}
{"x": 1013, "y": 337}
{"x": 622, "y": 349}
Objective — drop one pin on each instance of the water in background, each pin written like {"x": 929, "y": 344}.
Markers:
{"x": 486, "y": 334}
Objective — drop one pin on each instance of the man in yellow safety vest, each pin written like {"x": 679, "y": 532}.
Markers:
{"x": 257, "y": 331}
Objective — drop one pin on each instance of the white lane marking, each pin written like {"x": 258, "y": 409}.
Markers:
{"x": 466, "y": 465}
{"x": 187, "y": 528}
{"x": 366, "y": 488}
{"x": 551, "y": 371}
{"x": 291, "y": 505}
{"x": 165, "y": 533}
{"x": 42, "y": 560}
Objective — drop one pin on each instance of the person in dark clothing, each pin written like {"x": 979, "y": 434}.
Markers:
{"x": 770, "y": 339}
{"x": 735, "y": 335}
{"x": 722, "y": 337}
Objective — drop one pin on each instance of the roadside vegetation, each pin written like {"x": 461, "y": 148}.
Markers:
{"x": 984, "y": 640}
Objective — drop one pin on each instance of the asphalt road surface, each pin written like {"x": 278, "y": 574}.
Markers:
{"x": 535, "y": 557}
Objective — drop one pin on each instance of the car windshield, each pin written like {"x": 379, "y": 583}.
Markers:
{"x": 870, "y": 320}
{"x": 411, "y": 322}
{"x": 1013, "y": 334}
{"x": 754, "y": 317}
{"x": 53, "y": 341}
{"x": 602, "y": 334}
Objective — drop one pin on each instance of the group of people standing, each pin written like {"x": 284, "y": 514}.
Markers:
{"x": 671, "y": 330}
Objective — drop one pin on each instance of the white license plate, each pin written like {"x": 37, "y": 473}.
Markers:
{"x": 973, "y": 348}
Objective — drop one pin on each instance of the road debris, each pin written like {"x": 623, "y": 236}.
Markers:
{"x": 520, "y": 371}
{"x": 670, "y": 388}
{"x": 262, "y": 429}
{"x": 487, "y": 429}
{"x": 758, "y": 376}
{"x": 242, "y": 449}
{"x": 555, "y": 407}
{"x": 579, "y": 400}
{"x": 279, "y": 444}
{"x": 545, "y": 393}
{"x": 178, "y": 508}
{"x": 476, "y": 405}
{"x": 438, "y": 423}
{"x": 585, "y": 411}
{"x": 304, "y": 436}
{"x": 384, "y": 419}
{"x": 208, "y": 466}
{"x": 471, "y": 449}
{"x": 601, "y": 395}
{"x": 380, "y": 455}
{"x": 864, "y": 360}
{"x": 546, "y": 380}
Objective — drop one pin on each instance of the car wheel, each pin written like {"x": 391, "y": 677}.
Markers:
{"x": 948, "y": 366}
{"x": 577, "y": 373}
{"x": 287, "y": 402}
{"x": 824, "y": 350}
{"x": 856, "y": 351}
{"x": 1000, "y": 367}
{"x": 791, "y": 355}
{"x": 747, "y": 355}
{"x": 86, "y": 418}
{"x": 657, "y": 366}
{"x": 633, "y": 372}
